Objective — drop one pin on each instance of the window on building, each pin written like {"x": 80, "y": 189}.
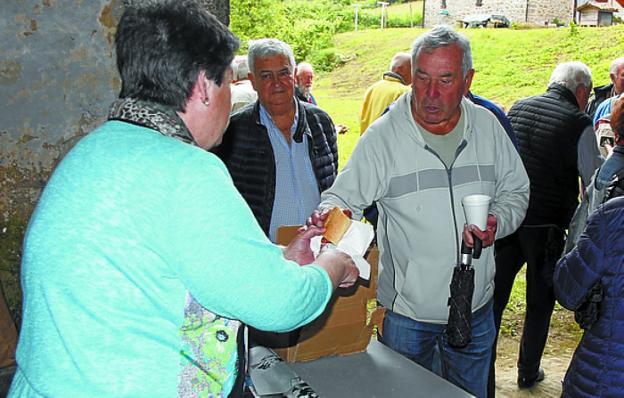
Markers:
{"x": 479, "y": 3}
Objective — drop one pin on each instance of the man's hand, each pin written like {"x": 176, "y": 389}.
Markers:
{"x": 299, "y": 248}
{"x": 317, "y": 219}
{"x": 487, "y": 236}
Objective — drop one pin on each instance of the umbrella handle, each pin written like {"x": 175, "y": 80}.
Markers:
{"x": 477, "y": 247}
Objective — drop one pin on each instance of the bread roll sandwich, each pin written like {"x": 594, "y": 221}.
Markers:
{"x": 336, "y": 225}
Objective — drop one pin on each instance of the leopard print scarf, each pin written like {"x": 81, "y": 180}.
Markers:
{"x": 151, "y": 115}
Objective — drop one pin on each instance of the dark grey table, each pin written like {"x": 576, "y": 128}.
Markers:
{"x": 379, "y": 372}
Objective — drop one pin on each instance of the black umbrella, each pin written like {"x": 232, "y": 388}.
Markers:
{"x": 459, "y": 327}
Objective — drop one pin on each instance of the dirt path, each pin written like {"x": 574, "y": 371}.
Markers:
{"x": 554, "y": 362}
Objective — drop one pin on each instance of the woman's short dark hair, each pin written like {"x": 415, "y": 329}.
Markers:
{"x": 162, "y": 46}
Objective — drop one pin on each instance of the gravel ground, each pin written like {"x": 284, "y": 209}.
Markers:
{"x": 554, "y": 362}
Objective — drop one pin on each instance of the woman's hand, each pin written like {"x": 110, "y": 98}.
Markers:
{"x": 340, "y": 267}
{"x": 298, "y": 250}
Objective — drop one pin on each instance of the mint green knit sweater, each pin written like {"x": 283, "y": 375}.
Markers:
{"x": 131, "y": 228}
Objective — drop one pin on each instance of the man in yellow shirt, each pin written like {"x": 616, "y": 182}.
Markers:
{"x": 384, "y": 92}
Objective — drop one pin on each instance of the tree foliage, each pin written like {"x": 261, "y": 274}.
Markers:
{"x": 307, "y": 25}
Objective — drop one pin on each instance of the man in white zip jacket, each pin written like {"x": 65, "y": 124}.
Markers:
{"x": 417, "y": 162}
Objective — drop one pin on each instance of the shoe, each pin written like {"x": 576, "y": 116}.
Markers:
{"x": 526, "y": 382}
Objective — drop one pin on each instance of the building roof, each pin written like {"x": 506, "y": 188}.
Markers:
{"x": 620, "y": 2}
{"x": 598, "y": 6}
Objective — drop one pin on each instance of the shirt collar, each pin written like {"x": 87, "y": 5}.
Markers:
{"x": 267, "y": 121}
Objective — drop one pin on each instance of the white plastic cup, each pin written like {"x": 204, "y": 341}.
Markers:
{"x": 476, "y": 210}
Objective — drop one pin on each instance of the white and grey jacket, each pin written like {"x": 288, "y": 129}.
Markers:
{"x": 419, "y": 200}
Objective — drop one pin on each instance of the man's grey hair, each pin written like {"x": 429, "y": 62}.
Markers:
{"x": 571, "y": 75}
{"x": 615, "y": 65}
{"x": 269, "y": 48}
{"x": 240, "y": 68}
{"x": 442, "y": 36}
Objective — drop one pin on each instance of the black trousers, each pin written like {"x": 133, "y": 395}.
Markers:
{"x": 540, "y": 247}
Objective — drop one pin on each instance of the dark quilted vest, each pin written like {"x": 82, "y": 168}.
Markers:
{"x": 548, "y": 128}
{"x": 247, "y": 152}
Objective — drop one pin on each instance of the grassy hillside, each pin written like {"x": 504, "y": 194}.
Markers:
{"x": 510, "y": 64}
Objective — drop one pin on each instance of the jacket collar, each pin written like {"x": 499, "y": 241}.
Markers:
{"x": 563, "y": 92}
{"x": 392, "y": 75}
{"x": 302, "y": 124}
{"x": 607, "y": 89}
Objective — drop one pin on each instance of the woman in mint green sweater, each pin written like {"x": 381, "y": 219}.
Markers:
{"x": 142, "y": 263}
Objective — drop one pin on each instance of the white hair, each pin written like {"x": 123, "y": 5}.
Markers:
{"x": 240, "y": 68}
{"x": 571, "y": 75}
{"x": 615, "y": 65}
{"x": 269, "y": 48}
{"x": 443, "y": 36}
{"x": 303, "y": 66}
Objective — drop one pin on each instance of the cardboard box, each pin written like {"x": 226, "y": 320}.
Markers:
{"x": 343, "y": 328}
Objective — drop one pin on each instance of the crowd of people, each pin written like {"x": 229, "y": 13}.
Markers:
{"x": 150, "y": 262}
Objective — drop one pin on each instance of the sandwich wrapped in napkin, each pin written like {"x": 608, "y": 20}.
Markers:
{"x": 350, "y": 236}
{"x": 336, "y": 225}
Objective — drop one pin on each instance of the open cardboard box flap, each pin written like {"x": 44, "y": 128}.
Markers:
{"x": 344, "y": 327}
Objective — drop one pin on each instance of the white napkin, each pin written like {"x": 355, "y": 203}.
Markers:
{"x": 354, "y": 242}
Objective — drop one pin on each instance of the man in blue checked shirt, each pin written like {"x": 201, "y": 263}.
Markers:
{"x": 281, "y": 151}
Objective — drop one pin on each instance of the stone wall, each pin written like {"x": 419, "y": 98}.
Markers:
{"x": 57, "y": 79}
{"x": 535, "y": 12}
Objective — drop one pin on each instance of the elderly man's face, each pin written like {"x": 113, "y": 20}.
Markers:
{"x": 618, "y": 79}
{"x": 438, "y": 86}
{"x": 273, "y": 79}
{"x": 304, "y": 79}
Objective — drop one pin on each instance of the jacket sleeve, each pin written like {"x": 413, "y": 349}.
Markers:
{"x": 325, "y": 124}
{"x": 512, "y": 185}
{"x": 582, "y": 268}
{"x": 588, "y": 156}
{"x": 363, "y": 179}
{"x": 332, "y": 139}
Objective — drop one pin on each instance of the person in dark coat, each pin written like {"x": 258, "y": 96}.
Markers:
{"x": 597, "y": 367}
{"x": 557, "y": 145}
